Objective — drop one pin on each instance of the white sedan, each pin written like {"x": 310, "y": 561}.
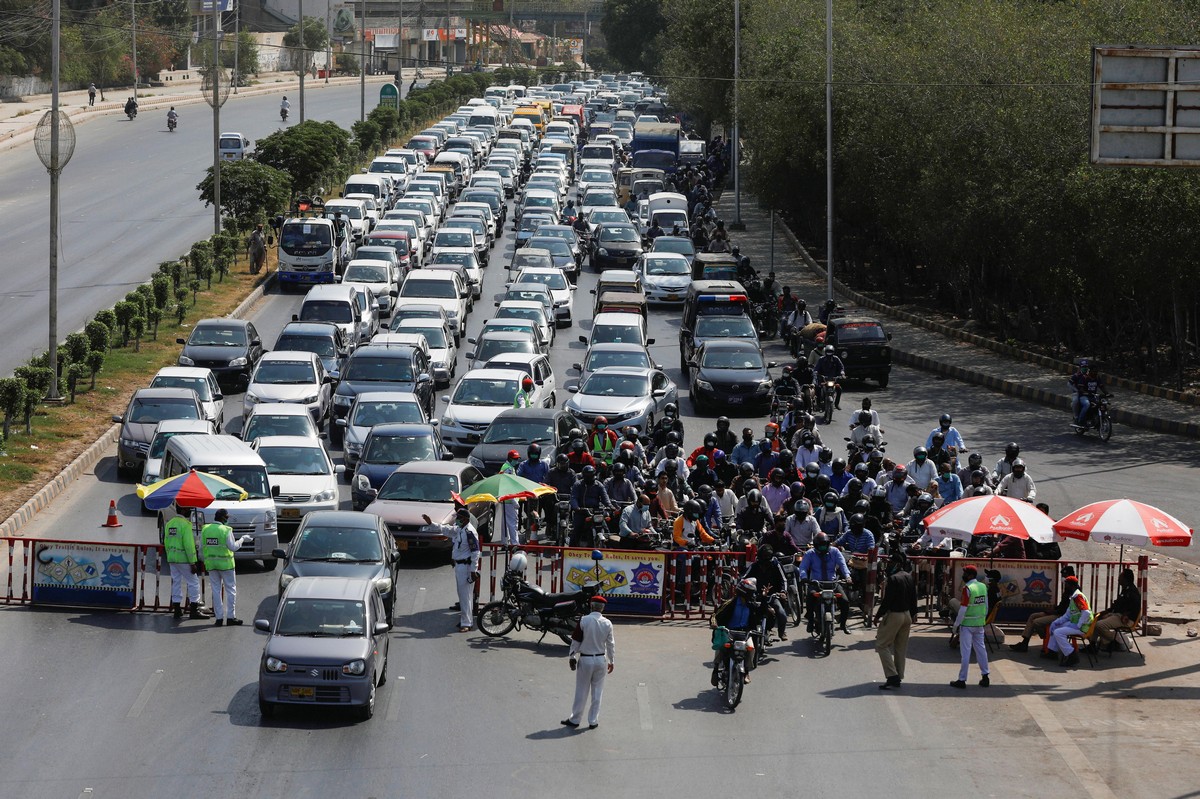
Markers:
{"x": 665, "y": 276}
{"x": 303, "y": 474}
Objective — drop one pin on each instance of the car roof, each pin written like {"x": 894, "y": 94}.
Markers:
{"x": 278, "y": 409}
{"x": 403, "y": 428}
{"x": 533, "y": 250}
{"x": 184, "y": 426}
{"x": 385, "y": 350}
{"x": 222, "y": 322}
{"x": 622, "y": 370}
{"x": 617, "y": 318}
{"x": 342, "y": 518}
{"x": 432, "y": 467}
{"x": 514, "y": 357}
{"x": 387, "y": 396}
{"x": 529, "y": 287}
{"x": 328, "y": 588}
{"x": 164, "y": 393}
{"x": 310, "y": 329}
{"x": 730, "y": 344}
{"x": 507, "y": 335}
{"x": 525, "y": 413}
{"x": 494, "y": 374}
{"x": 540, "y": 270}
{"x": 288, "y": 441}
{"x": 183, "y": 371}
{"x": 288, "y": 355}
{"x": 617, "y": 346}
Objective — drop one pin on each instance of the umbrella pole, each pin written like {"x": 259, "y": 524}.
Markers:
{"x": 1121, "y": 557}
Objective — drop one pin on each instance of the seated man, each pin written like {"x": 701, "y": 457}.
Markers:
{"x": 1121, "y": 613}
{"x": 1074, "y": 622}
{"x": 1039, "y": 622}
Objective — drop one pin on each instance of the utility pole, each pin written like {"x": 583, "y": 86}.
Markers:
{"x": 583, "y": 53}
{"x": 449, "y": 40}
{"x": 216, "y": 106}
{"x": 511, "y": 3}
{"x": 329, "y": 39}
{"x": 400, "y": 43}
{"x": 362, "y": 67}
{"x": 133, "y": 29}
{"x": 735, "y": 146}
{"x": 303, "y": 58}
{"x": 237, "y": 16}
{"x": 829, "y": 149}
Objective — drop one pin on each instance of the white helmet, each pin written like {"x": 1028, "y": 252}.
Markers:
{"x": 517, "y": 562}
{"x": 829, "y": 349}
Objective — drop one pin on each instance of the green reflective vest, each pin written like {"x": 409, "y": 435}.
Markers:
{"x": 179, "y": 540}
{"x": 1076, "y": 607}
{"x": 522, "y": 400}
{"x": 977, "y": 606}
{"x": 216, "y": 555}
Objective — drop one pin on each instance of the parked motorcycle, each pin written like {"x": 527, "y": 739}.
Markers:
{"x": 1098, "y": 418}
{"x": 526, "y": 605}
{"x": 731, "y": 678}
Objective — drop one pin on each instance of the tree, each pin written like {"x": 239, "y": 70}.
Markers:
{"x": 250, "y": 191}
{"x": 631, "y": 28}
{"x": 98, "y": 335}
{"x": 302, "y": 47}
{"x": 95, "y": 362}
{"x": 12, "y": 394}
{"x": 78, "y": 346}
{"x": 125, "y": 311}
{"x": 308, "y": 152}
{"x": 366, "y": 136}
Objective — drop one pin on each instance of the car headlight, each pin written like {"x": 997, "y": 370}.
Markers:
{"x": 355, "y": 667}
{"x": 250, "y": 398}
{"x": 354, "y": 446}
{"x": 383, "y": 584}
{"x": 238, "y": 362}
{"x": 151, "y": 478}
{"x": 269, "y": 520}
{"x": 326, "y": 495}
{"x": 343, "y": 401}
{"x": 186, "y": 361}
{"x": 361, "y": 483}
{"x": 476, "y": 462}
{"x": 285, "y": 579}
{"x": 309, "y": 400}
{"x": 704, "y": 384}
{"x": 439, "y": 364}
{"x": 763, "y": 387}
{"x": 448, "y": 418}
{"x": 276, "y": 665}
{"x": 601, "y": 251}
{"x": 128, "y": 443}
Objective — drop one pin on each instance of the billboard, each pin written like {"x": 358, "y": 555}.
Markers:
{"x": 206, "y": 6}
{"x": 1145, "y": 106}
{"x": 632, "y": 582}
{"x": 94, "y": 575}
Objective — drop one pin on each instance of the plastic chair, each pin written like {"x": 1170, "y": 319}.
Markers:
{"x": 1128, "y": 637}
{"x": 1081, "y": 641}
{"x": 988, "y": 622}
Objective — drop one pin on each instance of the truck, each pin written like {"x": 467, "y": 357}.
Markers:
{"x": 309, "y": 251}
{"x": 655, "y": 145}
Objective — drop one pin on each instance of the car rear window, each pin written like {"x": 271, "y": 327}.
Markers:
{"x": 855, "y": 332}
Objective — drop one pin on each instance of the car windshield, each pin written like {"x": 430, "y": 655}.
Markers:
{"x": 517, "y": 431}
{"x": 597, "y": 176}
{"x": 338, "y": 543}
{"x": 556, "y": 246}
{"x": 552, "y": 280}
{"x": 218, "y": 336}
{"x": 349, "y": 210}
{"x": 667, "y": 266}
{"x": 732, "y": 359}
{"x": 373, "y": 412}
{"x": 399, "y": 449}
{"x": 608, "y": 385}
{"x": 523, "y": 295}
{"x": 485, "y": 391}
{"x": 321, "y": 346}
{"x": 434, "y": 335}
{"x": 322, "y": 618}
{"x": 603, "y": 198}
{"x": 674, "y": 244}
{"x": 529, "y": 223}
{"x": 435, "y": 289}
{"x": 724, "y": 327}
{"x": 635, "y": 359}
{"x": 295, "y": 460}
{"x": 252, "y": 479}
{"x": 601, "y": 217}
{"x": 159, "y": 445}
{"x": 491, "y": 347}
{"x": 566, "y": 234}
{"x": 413, "y": 487}
{"x": 336, "y": 311}
{"x": 857, "y": 332}
{"x": 532, "y": 314}
{"x": 521, "y": 260}
{"x": 625, "y": 234}
{"x": 540, "y": 202}
{"x": 152, "y": 411}
{"x": 284, "y": 373}
{"x": 366, "y": 274}
{"x": 379, "y": 369}
{"x": 616, "y": 334}
{"x": 278, "y": 425}
{"x": 466, "y": 259}
{"x": 198, "y": 384}
{"x": 454, "y": 239}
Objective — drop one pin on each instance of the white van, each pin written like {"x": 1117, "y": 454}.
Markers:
{"x": 337, "y": 304}
{"x": 668, "y": 208}
{"x": 375, "y": 184}
{"x": 233, "y": 146}
{"x": 228, "y": 457}
{"x": 353, "y": 210}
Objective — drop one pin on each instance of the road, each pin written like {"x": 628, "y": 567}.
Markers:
{"x": 128, "y": 202}
{"x": 127, "y": 706}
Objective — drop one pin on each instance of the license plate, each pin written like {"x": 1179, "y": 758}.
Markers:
{"x": 303, "y": 693}
{"x": 401, "y": 545}
{"x": 739, "y": 645}
{"x": 289, "y": 513}
{"x": 734, "y": 400}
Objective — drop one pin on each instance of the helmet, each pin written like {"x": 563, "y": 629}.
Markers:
{"x": 978, "y": 476}
{"x": 786, "y": 456}
{"x": 830, "y": 497}
{"x": 796, "y": 490}
{"x": 839, "y": 464}
{"x": 787, "y": 371}
{"x": 1018, "y": 464}
{"x": 858, "y": 521}
{"x": 671, "y": 466}
{"x": 1083, "y": 364}
{"x": 517, "y": 562}
{"x": 1012, "y": 450}
{"x": 589, "y": 473}
{"x": 705, "y": 491}
{"x": 854, "y": 486}
{"x": 821, "y": 542}
{"x": 631, "y": 433}
{"x": 771, "y": 430}
{"x": 561, "y": 459}
{"x": 627, "y": 446}
{"x": 577, "y": 445}
{"x": 938, "y": 438}
{"x": 513, "y": 455}
{"x": 862, "y": 506}
{"x": 718, "y": 455}
{"x": 860, "y": 468}
{"x": 534, "y": 451}
{"x": 808, "y": 439}
{"x": 710, "y": 440}
{"x": 920, "y": 453}
{"x": 692, "y": 510}
{"x": 802, "y": 507}
{"x": 750, "y": 485}
{"x": 900, "y": 471}
{"x": 575, "y": 433}
{"x": 864, "y": 418}
{"x": 527, "y": 383}
{"x": 829, "y": 349}
{"x": 671, "y": 410}
{"x": 672, "y": 451}
{"x": 811, "y": 470}
{"x": 746, "y": 469}
{"x": 747, "y": 586}
{"x": 674, "y": 438}
{"x": 722, "y": 420}
{"x": 601, "y": 422}
{"x": 753, "y": 497}
{"x": 825, "y": 455}
{"x": 702, "y": 461}
{"x": 924, "y": 501}
{"x": 776, "y": 475}
{"x": 944, "y": 420}
{"x": 975, "y": 461}
{"x": 618, "y": 469}
{"x": 868, "y": 443}
{"x": 764, "y": 445}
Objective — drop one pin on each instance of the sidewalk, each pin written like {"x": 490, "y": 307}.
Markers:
{"x": 932, "y": 347}
{"x": 19, "y": 118}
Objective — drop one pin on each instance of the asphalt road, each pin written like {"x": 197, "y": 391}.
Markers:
{"x": 142, "y": 706}
{"x": 128, "y": 201}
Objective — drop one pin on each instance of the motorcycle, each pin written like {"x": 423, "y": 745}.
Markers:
{"x": 171, "y": 123}
{"x": 563, "y": 534}
{"x": 526, "y": 605}
{"x": 826, "y": 391}
{"x": 595, "y": 528}
{"x": 1098, "y": 418}
{"x": 825, "y": 594}
{"x": 131, "y": 111}
{"x": 731, "y": 678}
{"x": 790, "y": 568}
{"x": 767, "y": 318}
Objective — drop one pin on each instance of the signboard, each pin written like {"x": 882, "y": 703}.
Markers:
{"x": 389, "y": 95}
{"x": 94, "y": 575}
{"x": 1145, "y": 106}
{"x": 433, "y": 34}
{"x": 527, "y": 25}
{"x": 632, "y": 582}
{"x": 1026, "y": 587}
{"x": 576, "y": 46}
{"x": 206, "y": 6}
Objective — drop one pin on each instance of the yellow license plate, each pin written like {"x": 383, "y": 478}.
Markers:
{"x": 289, "y": 513}
{"x": 402, "y": 545}
{"x": 303, "y": 693}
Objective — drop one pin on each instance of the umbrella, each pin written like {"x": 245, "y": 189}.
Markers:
{"x": 1123, "y": 521}
{"x": 192, "y": 490}
{"x": 991, "y": 515}
{"x": 501, "y": 487}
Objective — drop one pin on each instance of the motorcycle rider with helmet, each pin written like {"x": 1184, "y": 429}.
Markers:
{"x": 741, "y": 613}
{"x": 1004, "y": 466}
{"x": 753, "y": 518}
{"x": 688, "y": 530}
{"x": 786, "y": 386}
{"x": 625, "y": 456}
{"x": 602, "y": 441}
{"x": 896, "y": 489}
{"x": 706, "y": 449}
{"x": 920, "y": 469}
{"x": 862, "y": 473}
{"x": 669, "y": 423}
{"x": 808, "y": 451}
{"x": 825, "y": 461}
{"x": 702, "y": 474}
{"x": 800, "y": 525}
{"x": 831, "y": 518}
{"x": 1087, "y": 387}
{"x": 745, "y": 450}
{"x": 725, "y": 438}
{"x": 676, "y": 482}
{"x": 562, "y": 479}
{"x": 776, "y": 492}
{"x": 939, "y": 453}
{"x": 631, "y": 437}
{"x": 711, "y": 517}
{"x": 745, "y": 475}
{"x": 578, "y": 456}
{"x": 830, "y": 367}
{"x": 726, "y": 471}
{"x": 671, "y": 454}
{"x": 588, "y": 494}
{"x": 172, "y": 117}
{"x": 952, "y": 437}
{"x": 1017, "y": 484}
{"x": 535, "y": 469}
{"x": 771, "y": 434}
{"x": 839, "y": 477}
{"x": 772, "y": 583}
{"x": 974, "y": 461}
{"x": 824, "y": 563}
{"x": 978, "y": 486}
{"x": 862, "y": 428}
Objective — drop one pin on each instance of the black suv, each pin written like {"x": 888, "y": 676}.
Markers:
{"x": 862, "y": 344}
{"x": 378, "y": 367}
{"x": 229, "y": 347}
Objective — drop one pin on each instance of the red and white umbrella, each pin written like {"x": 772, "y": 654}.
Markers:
{"x": 1124, "y": 522}
{"x": 991, "y": 515}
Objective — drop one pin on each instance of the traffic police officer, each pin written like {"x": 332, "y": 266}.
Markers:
{"x": 593, "y": 653}
{"x": 219, "y": 546}
{"x": 971, "y": 626}
{"x": 179, "y": 544}
{"x": 465, "y": 554}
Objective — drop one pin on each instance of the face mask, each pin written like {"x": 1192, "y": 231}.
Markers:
{"x": 822, "y": 548}
{"x": 830, "y": 505}
{"x": 921, "y": 459}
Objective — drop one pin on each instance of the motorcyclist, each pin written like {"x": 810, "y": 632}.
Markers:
{"x": 772, "y": 583}
{"x": 766, "y": 459}
{"x": 634, "y": 440}
{"x": 839, "y": 477}
{"x": 706, "y": 449}
{"x": 741, "y": 613}
{"x": 771, "y": 433}
{"x": 131, "y": 107}
{"x": 634, "y": 525}
{"x": 676, "y": 482}
{"x": 1017, "y": 484}
{"x": 726, "y": 471}
{"x": 831, "y": 518}
{"x": 673, "y": 440}
{"x": 284, "y": 107}
{"x": 824, "y": 563}
{"x": 862, "y": 473}
{"x": 776, "y": 492}
{"x": 939, "y": 453}
{"x": 1087, "y": 387}
{"x": 863, "y": 427}
{"x": 949, "y": 487}
{"x": 953, "y": 438}
{"x": 830, "y": 367}
{"x": 745, "y": 272}
{"x": 568, "y": 214}
{"x": 786, "y": 386}
{"x": 920, "y": 469}
{"x": 535, "y": 469}
{"x": 625, "y": 456}
{"x": 918, "y": 506}
{"x": 711, "y": 516}
{"x": 785, "y": 306}
{"x": 808, "y": 451}
{"x": 670, "y": 455}
{"x": 1004, "y": 466}
{"x": 669, "y": 423}
{"x": 725, "y": 437}
{"x": 578, "y": 456}
{"x": 754, "y": 518}
{"x": 825, "y": 461}
{"x": 800, "y": 525}
{"x": 851, "y": 495}
{"x": 974, "y": 461}
{"x": 172, "y": 116}
{"x": 745, "y": 450}
{"x": 620, "y": 488}
{"x": 896, "y": 490}
{"x": 588, "y": 494}
{"x": 688, "y": 531}
{"x": 745, "y": 476}
{"x": 562, "y": 479}
{"x": 702, "y": 474}
{"x": 978, "y": 486}
{"x": 602, "y": 441}
{"x": 857, "y": 540}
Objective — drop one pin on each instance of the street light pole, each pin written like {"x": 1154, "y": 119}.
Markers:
{"x": 133, "y": 29}
{"x": 511, "y": 3}
{"x": 362, "y": 67}
{"x": 216, "y": 106}
{"x": 328, "y": 39}
{"x": 449, "y": 39}
{"x": 237, "y": 15}
{"x": 303, "y": 58}
{"x": 829, "y": 149}
{"x": 735, "y": 146}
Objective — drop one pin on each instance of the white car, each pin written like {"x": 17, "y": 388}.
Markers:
{"x": 536, "y": 366}
{"x": 377, "y": 407}
{"x": 528, "y": 309}
{"x": 353, "y": 210}
{"x": 562, "y": 291}
{"x": 665, "y": 276}
{"x": 617, "y": 328}
{"x": 297, "y": 378}
{"x": 371, "y": 205}
{"x": 480, "y": 396}
{"x": 200, "y": 380}
{"x": 279, "y": 419}
{"x": 595, "y": 177}
{"x": 303, "y": 474}
{"x": 443, "y": 353}
{"x": 379, "y": 276}
{"x": 442, "y": 288}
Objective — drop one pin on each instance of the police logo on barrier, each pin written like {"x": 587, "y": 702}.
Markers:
{"x": 116, "y": 572}
{"x": 645, "y": 579}
{"x": 1037, "y": 588}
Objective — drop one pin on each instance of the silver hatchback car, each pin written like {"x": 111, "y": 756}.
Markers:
{"x": 327, "y": 646}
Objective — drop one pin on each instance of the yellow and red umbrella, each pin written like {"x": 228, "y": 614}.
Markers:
{"x": 501, "y": 487}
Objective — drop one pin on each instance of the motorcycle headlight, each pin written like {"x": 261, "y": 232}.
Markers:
{"x": 326, "y": 495}
{"x": 704, "y": 384}
{"x": 383, "y": 584}
{"x": 186, "y": 361}
{"x": 238, "y": 362}
{"x": 275, "y": 665}
{"x": 355, "y": 667}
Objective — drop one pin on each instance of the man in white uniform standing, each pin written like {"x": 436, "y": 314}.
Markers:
{"x": 465, "y": 554}
{"x": 593, "y": 654}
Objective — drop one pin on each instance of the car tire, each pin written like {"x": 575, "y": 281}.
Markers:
{"x": 368, "y": 710}
{"x": 883, "y": 381}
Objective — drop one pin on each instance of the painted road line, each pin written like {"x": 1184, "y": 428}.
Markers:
{"x": 143, "y": 698}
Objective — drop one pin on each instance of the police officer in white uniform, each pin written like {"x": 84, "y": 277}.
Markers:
{"x": 593, "y": 654}
{"x": 465, "y": 554}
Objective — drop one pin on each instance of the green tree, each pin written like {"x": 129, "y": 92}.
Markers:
{"x": 95, "y": 362}
{"x": 302, "y": 47}
{"x": 250, "y": 191}
{"x": 366, "y": 136}
{"x": 12, "y": 394}
{"x": 78, "y": 346}
{"x": 98, "y": 335}
{"x": 631, "y": 28}
{"x": 125, "y": 311}
{"x": 309, "y": 152}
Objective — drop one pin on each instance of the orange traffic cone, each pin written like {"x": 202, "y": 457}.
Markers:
{"x": 112, "y": 515}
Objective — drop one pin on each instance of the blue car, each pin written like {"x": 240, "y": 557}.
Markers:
{"x": 387, "y": 447}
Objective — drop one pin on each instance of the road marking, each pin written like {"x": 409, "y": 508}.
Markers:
{"x": 85, "y": 792}
{"x": 898, "y": 715}
{"x": 643, "y": 699}
{"x": 143, "y": 698}
{"x": 1059, "y": 738}
{"x": 393, "y": 713}
{"x": 418, "y": 601}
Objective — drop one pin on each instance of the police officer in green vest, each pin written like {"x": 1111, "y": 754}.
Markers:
{"x": 218, "y": 548}
{"x": 179, "y": 545}
{"x": 970, "y": 626}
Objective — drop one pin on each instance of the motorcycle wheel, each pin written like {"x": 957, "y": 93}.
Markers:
{"x": 826, "y": 642}
{"x": 496, "y": 619}
{"x": 794, "y": 608}
{"x": 828, "y": 408}
{"x": 734, "y": 683}
{"x": 1105, "y": 428}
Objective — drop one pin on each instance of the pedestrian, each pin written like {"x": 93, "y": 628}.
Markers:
{"x": 970, "y": 627}
{"x": 894, "y": 618}
{"x": 219, "y": 546}
{"x": 179, "y": 544}
{"x": 593, "y": 653}
{"x": 91, "y": 94}
{"x": 464, "y": 552}
{"x": 510, "y": 533}
{"x": 257, "y": 248}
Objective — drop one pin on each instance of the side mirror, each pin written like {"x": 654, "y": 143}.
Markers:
{"x": 295, "y": 318}
{"x": 447, "y": 456}
{"x": 583, "y": 339}
{"x": 572, "y": 389}
{"x": 275, "y": 491}
{"x": 382, "y": 627}
{"x": 694, "y": 364}
{"x": 262, "y": 625}
{"x": 184, "y": 341}
{"x": 577, "y": 367}
{"x": 649, "y": 341}
{"x": 372, "y": 493}
{"x": 445, "y": 398}
{"x": 771, "y": 364}
{"x": 342, "y": 422}
{"x": 118, "y": 419}
{"x": 659, "y": 392}
{"x": 423, "y": 377}
{"x": 473, "y": 341}
{"x": 217, "y": 395}
{"x": 339, "y": 469}
{"x": 329, "y": 379}
{"x": 278, "y": 553}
